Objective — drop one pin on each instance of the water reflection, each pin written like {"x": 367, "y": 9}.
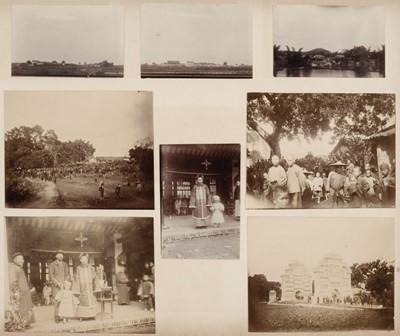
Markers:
{"x": 302, "y": 72}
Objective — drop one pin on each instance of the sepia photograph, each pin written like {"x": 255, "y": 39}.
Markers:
{"x": 68, "y": 41}
{"x": 319, "y": 151}
{"x": 200, "y": 201}
{"x": 79, "y": 150}
{"x": 80, "y": 275}
{"x": 183, "y": 40}
{"x": 321, "y": 274}
{"x": 329, "y": 41}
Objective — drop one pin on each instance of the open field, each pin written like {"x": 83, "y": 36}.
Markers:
{"x": 293, "y": 318}
{"x": 73, "y": 70}
{"x": 156, "y": 71}
{"x": 82, "y": 192}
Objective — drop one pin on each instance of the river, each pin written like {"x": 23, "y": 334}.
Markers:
{"x": 327, "y": 73}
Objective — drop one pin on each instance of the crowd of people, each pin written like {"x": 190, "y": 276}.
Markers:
{"x": 74, "y": 296}
{"x": 98, "y": 172}
{"x": 344, "y": 185}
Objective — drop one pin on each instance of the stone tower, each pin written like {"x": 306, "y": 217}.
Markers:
{"x": 296, "y": 282}
{"x": 332, "y": 278}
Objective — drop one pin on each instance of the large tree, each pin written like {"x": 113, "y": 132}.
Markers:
{"x": 376, "y": 276}
{"x": 75, "y": 151}
{"x": 141, "y": 158}
{"x": 276, "y": 116}
{"x": 32, "y": 147}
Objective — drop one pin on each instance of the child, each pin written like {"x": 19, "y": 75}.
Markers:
{"x": 318, "y": 183}
{"x": 118, "y": 190}
{"x": 217, "y": 210}
{"x": 147, "y": 293}
{"x": 68, "y": 302}
{"x": 280, "y": 197}
{"x": 47, "y": 294}
{"x": 276, "y": 172}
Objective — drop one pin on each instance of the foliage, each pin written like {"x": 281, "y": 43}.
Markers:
{"x": 32, "y": 147}
{"x": 275, "y": 116}
{"x": 19, "y": 189}
{"x": 376, "y": 276}
{"x": 141, "y": 158}
{"x": 75, "y": 151}
{"x": 13, "y": 320}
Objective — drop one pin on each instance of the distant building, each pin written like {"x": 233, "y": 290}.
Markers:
{"x": 383, "y": 145}
{"x": 173, "y": 63}
{"x": 296, "y": 282}
{"x": 332, "y": 278}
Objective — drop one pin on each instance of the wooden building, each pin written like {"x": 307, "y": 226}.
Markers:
{"x": 107, "y": 240}
{"x": 180, "y": 164}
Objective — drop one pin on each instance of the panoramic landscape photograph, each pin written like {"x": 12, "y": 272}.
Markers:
{"x": 79, "y": 150}
{"x": 329, "y": 41}
{"x": 196, "y": 41}
{"x": 67, "y": 41}
{"x": 336, "y": 275}
{"x": 320, "y": 150}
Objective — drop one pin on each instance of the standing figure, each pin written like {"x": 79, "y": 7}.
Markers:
{"x": 19, "y": 290}
{"x": 296, "y": 183}
{"x": 200, "y": 201}
{"x": 387, "y": 186}
{"x": 147, "y": 293}
{"x": 83, "y": 285}
{"x": 318, "y": 184}
{"x": 217, "y": 209}
{"x": 118, "y": 190}
{"x": 101, "y": 189}
{"x": 276, "y": 172}
{"x": 58, "y": 273}
{"x": 122, "y": 287}
{"x": 67, "y": 302}
{"x": 236, "y": 197}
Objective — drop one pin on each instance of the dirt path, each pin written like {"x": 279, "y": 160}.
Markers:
{"x": 46, "y": 199}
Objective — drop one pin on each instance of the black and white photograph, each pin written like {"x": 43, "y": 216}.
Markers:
{"x": 326, "y": 274}
{"x": 68, "y": 41}
{"x": 329, "y": 41}
{"x": 79, "y": 150}
{"x": 320, "y": 151}
{"x": 183, "y": 40}
{"x": 200, "y": 201}
{"x": 80, "y": 274}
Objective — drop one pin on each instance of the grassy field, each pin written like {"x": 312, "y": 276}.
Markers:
{"x": 287, "y": 318}
{"x": 75, "y": 70}
{"x": 156, "y": 71}
{"x": 83, "y": 192}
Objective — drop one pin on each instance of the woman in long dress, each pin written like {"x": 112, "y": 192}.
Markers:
{"x": 83, "y": 286}
{"x": 200, "y": 202}
{"x": 122, "y": 287}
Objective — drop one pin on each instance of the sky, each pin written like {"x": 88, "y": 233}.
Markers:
{"x": 112, "y": 121}
{"x": 196, "y": 32}
{"x": 297, "y": 148}
{"x": 72, "y": 33}
{"x": 274, "y": 242}
{"x": 331, "y": 27}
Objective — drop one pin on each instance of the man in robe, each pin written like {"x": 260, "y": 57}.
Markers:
{"x": 200, "y": 201}
{"x": 58, "y": 273}
{"x": 19, "y": 290}
{"x": 84, "y": 286}
{"x": 296, "y": 183}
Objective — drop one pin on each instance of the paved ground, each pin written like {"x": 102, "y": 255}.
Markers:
{"x": 124, "y": 317}
{"x": 184, "y": 225}
{"x": 225, "y": 246}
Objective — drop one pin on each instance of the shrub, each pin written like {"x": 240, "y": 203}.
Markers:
{"x": 19, "y": 190}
